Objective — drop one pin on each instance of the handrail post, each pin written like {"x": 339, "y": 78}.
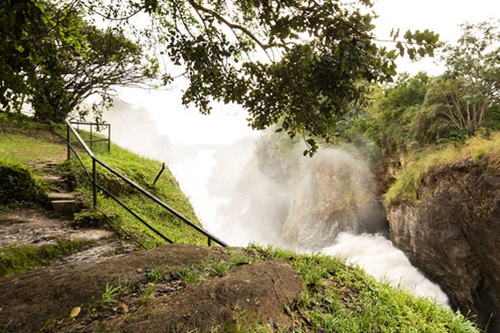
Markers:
{"x": 68, "y": 138}
{"x": 94, "y": 182}
{"x": 109, "y": 138}
{"x": 91, "y": 138}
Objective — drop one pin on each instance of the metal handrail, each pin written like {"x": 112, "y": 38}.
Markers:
{"x": 92, "y": 140}
{"x": 95, "y": 186}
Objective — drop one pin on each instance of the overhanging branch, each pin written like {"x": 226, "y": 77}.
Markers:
{"x": 232, "y": 26}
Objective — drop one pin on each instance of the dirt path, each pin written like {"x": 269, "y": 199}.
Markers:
{"x": 37, "y": 227}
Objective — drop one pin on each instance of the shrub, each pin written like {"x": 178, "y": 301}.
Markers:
{"x": 18, "y": 184}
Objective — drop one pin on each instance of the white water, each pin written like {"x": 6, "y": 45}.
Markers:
{"x": 199, "y": 152}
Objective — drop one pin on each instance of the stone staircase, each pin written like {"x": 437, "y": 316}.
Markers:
{"x": 55, "y": 224}
{"x": 62, "y": 199}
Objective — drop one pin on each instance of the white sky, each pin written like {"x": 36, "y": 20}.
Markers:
{"x": 440, "y": 16}
{"x": 227, "y": 124}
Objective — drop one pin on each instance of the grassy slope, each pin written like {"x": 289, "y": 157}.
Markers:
{"x": 343, "y": 298}
{"x": 482, "y": 151}
{"x": 143, "y": 171}
{"x": 23, "y": 141}
{"x": 336, "y": 297}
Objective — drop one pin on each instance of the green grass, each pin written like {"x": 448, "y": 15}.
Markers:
{"x": 20, "y": 148}
{"x": 113, "y": 292}
{"x": 482, "y": 151}
{"x": 338, "y": 297}
{"x": 25, "y": 141}
{"x": 20, "y": 259}
{"x": 143, "y": 172}
{"x": 213, "y": 267}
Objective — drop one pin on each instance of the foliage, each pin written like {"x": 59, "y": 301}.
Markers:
{"x": 18, "y": 183}
{"x": 419, "y": 111}
{"x": 59, "y": 59}
{"x": 396, "y": 110}
{"x": 473, "y": 67}
{"x": 21, "y": 40}
{"x": 388, "y": 123}
{"x": 300, "y": 63}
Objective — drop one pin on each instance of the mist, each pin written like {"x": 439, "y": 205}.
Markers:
{"x": 249, "y": 190}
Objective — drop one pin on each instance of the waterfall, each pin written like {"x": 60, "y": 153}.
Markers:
{"x": 244, "y": 194}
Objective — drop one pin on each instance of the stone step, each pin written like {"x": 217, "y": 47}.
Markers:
{"x": 56, "y": 182}
{"x": 52, "y": 178}
{"x": 66, "y": 207}
{"x": 62, "y": 196}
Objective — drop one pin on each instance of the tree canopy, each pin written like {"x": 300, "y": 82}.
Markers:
{"x": 54, "y": 59}
{"x": 297, "y": 63}
{"x": 471, "y": 84}
{"x": 420, "y": 110}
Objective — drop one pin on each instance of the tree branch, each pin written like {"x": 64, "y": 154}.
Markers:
{"x": 231, "y": 25}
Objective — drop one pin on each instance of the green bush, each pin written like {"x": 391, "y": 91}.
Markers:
{"x": 18, "y": 184}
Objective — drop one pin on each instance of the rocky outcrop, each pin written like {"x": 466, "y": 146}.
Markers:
{"x": 334, "y": 192}
{"x": 452, "y": 233}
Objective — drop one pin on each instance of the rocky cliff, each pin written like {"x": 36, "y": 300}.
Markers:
{"x": 452, "y": 233}
{"x": 334, "y": 192}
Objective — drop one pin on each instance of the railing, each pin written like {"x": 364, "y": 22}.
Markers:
{"x": 92, "y": 137}
{"x": 95, "y": 186}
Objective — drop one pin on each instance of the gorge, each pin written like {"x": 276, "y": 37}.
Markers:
{"x": 280, "y": 189}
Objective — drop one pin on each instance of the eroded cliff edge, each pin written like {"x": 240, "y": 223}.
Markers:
{"x": 452, "y": 233}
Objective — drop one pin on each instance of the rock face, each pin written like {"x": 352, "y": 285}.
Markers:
{"x": 453, "y": 235}
{"x": 334, "y": 192}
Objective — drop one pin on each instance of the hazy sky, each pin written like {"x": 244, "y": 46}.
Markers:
{"x": 440, "y": 16}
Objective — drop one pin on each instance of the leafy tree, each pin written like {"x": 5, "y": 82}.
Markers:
{"x": 436, "y": 119}
{"x": 84, "y": 61}
{"x": 471, "y": 86}
{"x": 392, "y": 114}
{"x": 299, "y": 63}
{"x": 20, "y": 40}
{"x": 68, "y": 60}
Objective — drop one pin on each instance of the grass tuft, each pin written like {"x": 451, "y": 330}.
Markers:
{"x": 480, "y": 150}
